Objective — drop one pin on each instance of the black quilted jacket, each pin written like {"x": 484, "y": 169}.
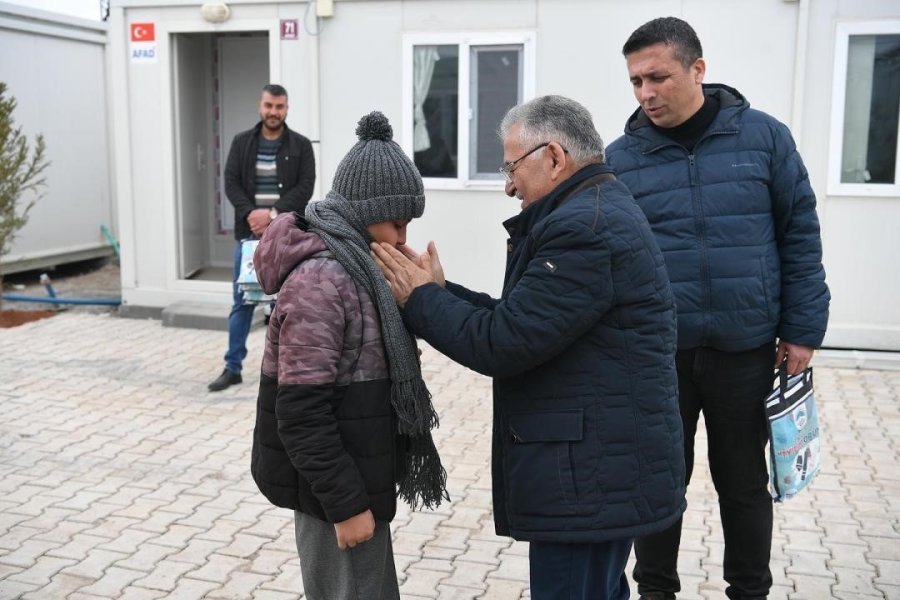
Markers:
{"x": 587, "y": 437}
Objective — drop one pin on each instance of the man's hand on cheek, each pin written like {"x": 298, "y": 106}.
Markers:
{"x": 403, "y": 275}
{"x": 428, "y": 260}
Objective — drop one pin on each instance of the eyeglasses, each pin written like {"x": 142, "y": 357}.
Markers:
{"x": 508, "y": 168}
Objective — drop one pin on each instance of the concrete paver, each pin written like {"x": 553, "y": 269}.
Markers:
{"x": 122, "y": 478}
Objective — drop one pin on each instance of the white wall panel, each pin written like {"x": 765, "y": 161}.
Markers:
{"x": 358, "y": 56}
{"x": 859, "y": 234}
{"x": 55, "y": 68}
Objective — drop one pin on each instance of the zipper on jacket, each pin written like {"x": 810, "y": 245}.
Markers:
{"x": 701, "y": 230}
{"x": 700, "y": 225}
{"x": 699, "y": 220}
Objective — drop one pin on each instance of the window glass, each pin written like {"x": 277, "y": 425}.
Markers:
{"x": 871, "y": 111}
{"x": 457, "y": 88}
{"x": 435, "y": 109}
{"x": 496, "y": 73}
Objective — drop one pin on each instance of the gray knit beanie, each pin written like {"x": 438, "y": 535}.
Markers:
{"x": 377, "y": 177}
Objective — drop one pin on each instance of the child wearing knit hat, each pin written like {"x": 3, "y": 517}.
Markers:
{"x": 344, "y": 418}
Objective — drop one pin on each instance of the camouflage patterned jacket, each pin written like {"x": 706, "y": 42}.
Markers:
{"x": 325, "y": 440}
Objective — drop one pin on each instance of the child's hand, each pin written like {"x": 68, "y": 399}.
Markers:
{"x": 355, "y": 530}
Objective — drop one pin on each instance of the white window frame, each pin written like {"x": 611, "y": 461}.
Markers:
{"x": 843, "y": 32}
{"x": 464, "y": 40}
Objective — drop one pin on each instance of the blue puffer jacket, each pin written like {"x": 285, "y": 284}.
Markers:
{"x": 587, "y": 437}
{"x": 736, "y": 221}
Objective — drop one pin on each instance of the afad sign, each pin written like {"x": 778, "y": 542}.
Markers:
{"x": 143, "y": 43}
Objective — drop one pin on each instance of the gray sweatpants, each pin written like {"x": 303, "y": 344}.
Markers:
{"x": 365, "y": 572}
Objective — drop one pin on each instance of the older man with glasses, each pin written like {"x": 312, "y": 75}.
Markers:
{"x": 587, "y": 437}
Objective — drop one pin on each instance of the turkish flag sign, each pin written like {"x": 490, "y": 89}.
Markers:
{"x": 143, "y": 32}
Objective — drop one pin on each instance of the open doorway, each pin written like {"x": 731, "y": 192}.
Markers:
{"x": 218, "y": 78}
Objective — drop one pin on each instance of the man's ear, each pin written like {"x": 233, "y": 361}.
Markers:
{"x": 698, "y": 70}
{"x": 559, "y": 158}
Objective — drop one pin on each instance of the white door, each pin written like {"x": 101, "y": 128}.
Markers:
{"x": 243, "y": 71}
{"x": 192, "y": 106}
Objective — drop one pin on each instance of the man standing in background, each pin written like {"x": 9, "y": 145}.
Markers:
{"x": 270, "y": 169}
{"x": 729, "y": 200}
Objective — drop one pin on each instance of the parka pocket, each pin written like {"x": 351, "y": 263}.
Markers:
{"x": 540, "y": 473}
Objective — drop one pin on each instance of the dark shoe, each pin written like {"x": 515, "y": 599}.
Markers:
{"x": 226, "y": 379}
{"x": 655, "y": 596}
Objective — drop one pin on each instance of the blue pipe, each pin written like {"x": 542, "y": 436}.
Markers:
{"x": 58, "y": 300}
{"x": 111, "y": 239}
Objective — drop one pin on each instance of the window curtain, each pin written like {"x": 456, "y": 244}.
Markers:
{"x": 424, "y": 59}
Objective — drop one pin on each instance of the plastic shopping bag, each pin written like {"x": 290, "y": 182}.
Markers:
{"x": 246, "y": 281}
{"x": 794, "y": 439}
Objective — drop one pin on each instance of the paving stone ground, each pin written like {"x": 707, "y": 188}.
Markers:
{"x": 121, "y": 477}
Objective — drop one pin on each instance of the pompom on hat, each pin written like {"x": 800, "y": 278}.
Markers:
{"x": 377, "y": 177}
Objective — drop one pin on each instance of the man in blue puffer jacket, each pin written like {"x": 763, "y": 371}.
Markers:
{"x": 587, "y": 441}
{"x": 729, "y": 200}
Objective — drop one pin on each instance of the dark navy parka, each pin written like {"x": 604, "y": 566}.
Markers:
{"x": 587, "y": 437}
{"x": 736, "y": 221}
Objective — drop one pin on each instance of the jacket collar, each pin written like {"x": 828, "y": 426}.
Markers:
{"x": 731, "y": 104}
{"x": 522, "y": 223}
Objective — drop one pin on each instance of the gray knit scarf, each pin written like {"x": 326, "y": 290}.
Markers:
{"x": 425, "y": 481}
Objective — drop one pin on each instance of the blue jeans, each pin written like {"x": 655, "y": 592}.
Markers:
{"x": 239, "y": 320}
{"x": 562, "y": 571}
{"x": 729, "y": 388}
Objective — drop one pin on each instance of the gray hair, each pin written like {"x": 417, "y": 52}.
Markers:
{"x": 556, "y": 119}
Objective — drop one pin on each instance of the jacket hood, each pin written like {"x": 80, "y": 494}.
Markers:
{"x": 283, "y": 246}
{"x": 729, "y": 98}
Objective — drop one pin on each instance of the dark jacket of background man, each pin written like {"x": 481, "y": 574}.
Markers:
{"x": 296, "y": 166}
